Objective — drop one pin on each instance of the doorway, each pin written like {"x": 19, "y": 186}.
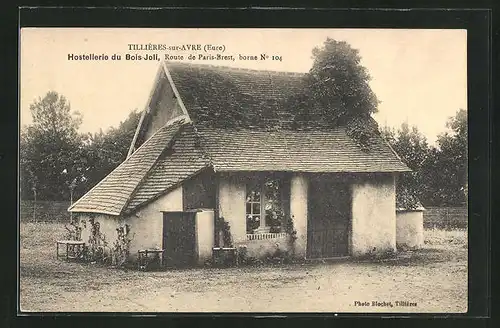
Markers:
{"x": 179, "y": 239}
{"x": 329, "y": 208}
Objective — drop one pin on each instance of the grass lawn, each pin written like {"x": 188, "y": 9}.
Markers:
{"x": 435, "y": 278}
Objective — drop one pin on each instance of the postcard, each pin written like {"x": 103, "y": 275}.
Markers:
{"x": 243, "y": 170}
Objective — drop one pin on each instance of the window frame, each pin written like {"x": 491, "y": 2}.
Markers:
{"x": 259, "y": 184}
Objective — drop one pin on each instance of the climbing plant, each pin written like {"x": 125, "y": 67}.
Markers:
{"x": 97, "y": 243}
{"x": 121, "y": 246}
{"x": 73, "y": 231}
{"x": 224, "y": 227}
{"x": 290, "y": 230}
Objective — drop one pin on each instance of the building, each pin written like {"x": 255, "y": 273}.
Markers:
{"x": 191, "y": 162}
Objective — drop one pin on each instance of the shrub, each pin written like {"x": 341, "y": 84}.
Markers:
{"x": 73, "y": 231}
{"x": 279, "y": 255}
{"x": 290, "y": 230}
{"x": 95, "y": 251}
{"x": 242, "y": 254}
{"x": 121, "y": 247}
{"x": 224, "y": 227}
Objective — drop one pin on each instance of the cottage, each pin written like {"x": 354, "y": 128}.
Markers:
{"x": 189, "y": 164}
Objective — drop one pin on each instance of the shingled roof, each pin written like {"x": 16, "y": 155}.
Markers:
{"x": 183, "y": 148}
{"x": 112, "y": 194}
{"x": 181, "y": 161}
{"x": 296, "y": 151}
{"x": 224, "y": 94}
{"x": 216, "y": 96}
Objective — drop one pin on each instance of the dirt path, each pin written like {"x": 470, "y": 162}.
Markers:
{"x": 434, "y": 278}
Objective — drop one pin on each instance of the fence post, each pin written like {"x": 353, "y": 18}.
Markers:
{"x": 34, "y": 205}
{"x": 71, "y": 203}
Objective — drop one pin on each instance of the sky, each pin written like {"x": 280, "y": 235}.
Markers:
{"x": 420, "y": 76}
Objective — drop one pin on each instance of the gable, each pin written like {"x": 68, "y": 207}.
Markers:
{"x": 163, "y": 106}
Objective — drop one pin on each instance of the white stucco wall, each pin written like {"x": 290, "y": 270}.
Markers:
{"x": 373, "y": 215}
{"x": 146, "y": 225}
{"x": 204, "y": 235}
{"x": 266, "y": 247}
{"x": 410, "y": 229}
{"x": 83, "y": 220}
{"x": 232, "y": 191}
{"x": 298, "y": 210}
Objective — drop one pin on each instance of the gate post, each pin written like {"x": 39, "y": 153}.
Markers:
{"x": 204, "y": 235}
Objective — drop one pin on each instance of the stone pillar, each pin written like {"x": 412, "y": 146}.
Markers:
{"x": 298, "y": 209}
{"x": 373, "y": 215}
{"x": 204, "y": 235}
{"x": 410, "y": 228}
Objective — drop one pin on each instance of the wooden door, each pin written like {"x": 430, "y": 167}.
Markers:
{"x": 328, "y": 219}
{"x": 179, "y": 239}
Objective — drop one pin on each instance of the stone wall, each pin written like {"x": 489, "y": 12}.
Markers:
{"x": 448, "y": 218}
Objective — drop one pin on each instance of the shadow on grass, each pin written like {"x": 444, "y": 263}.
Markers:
{"x": 46, "y": 272}
{"x": 419, "y": 257}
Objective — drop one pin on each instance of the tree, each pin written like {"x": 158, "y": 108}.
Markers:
{"x": 413, "y": 148}
{"x": 55, "y": 158}
{"x": 339, "y": 83}
{"x": 50, "y": 148}
{"x": 439, "y": 173}
{"x": 337, "y": 92}
{"x": 447, "y": 166}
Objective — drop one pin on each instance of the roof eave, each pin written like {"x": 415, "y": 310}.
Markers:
{"x": 94, "y": 211}
{"x": 183, "y": 119}
{"x": 167, "y": 190}
{"x": 170, "y": 122}
{"x": 222, "y": 169}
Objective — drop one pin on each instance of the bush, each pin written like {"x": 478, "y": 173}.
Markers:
{"x": 290, "y": 230}
{"x": 374, "y": 255}
{"x": 121, "y": 246}
{"x": 73, "y": 231}
{"x": 223, "y": 226}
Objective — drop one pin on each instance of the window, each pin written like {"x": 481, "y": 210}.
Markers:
{"x": 273, "y": 204}
{"x": 264, "y": 206}
{"x": 253, "y": 207}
